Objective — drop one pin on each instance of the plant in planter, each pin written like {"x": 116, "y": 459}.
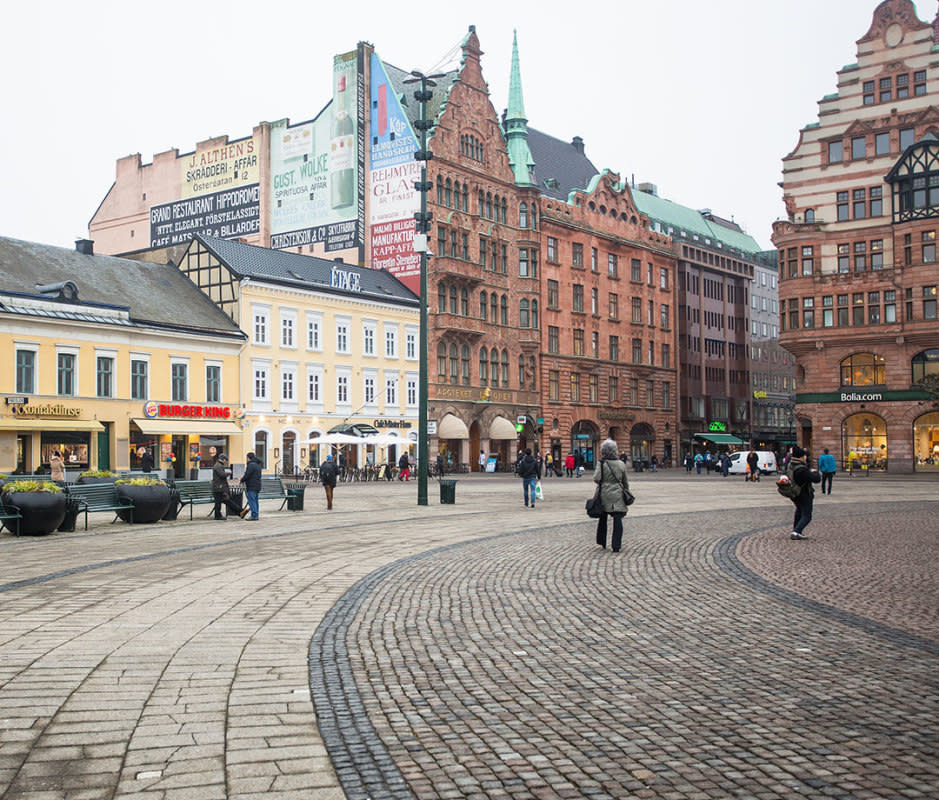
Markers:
{"x": 41, "y": 503}
{"x": 150, "y": 496}
{"x": 97, "y": 476}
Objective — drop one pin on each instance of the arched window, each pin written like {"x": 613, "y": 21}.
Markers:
{"x": 439, "y": 190}
{"x": 523, "y": 318}
{"x": 531, "y": 371}
{"x": 810, "y": 215}
{"x": 505, "y": 369}
{"x": 488, "y": 206}
{"x": 448, "y": 194}
{"x": 457, "y": 197}
{"x": 494, "y": 367}
{"x": 483, "y": 306}
{"x": 465, "y": 198}
{"x": 453, "y": 300}
{"x": 261, "y": 444}
{"x": 441, "y": 298}
{"x": 464, "y": 302}
{"x": 482, "y": 203}
{"x": 465, "y": 364}
{"x": 504, "y": 207}
{"x": 534, "y": 216}
{"x": 534, "y": 313}
{"x": 523, "y": 215}
{"x": 483, "y": 365}
{"x": 505, "y": 310}
{"x": 494, "y": 308}
{"x": 925, "y": 364}
{"x": 863, "y": 369}
{"x": 521, "y": 372}
{"x": 442, "y": 362}
{"x": 454, "y": 364}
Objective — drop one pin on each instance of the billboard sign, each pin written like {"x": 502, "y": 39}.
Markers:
{"x": 316, "y": 170}
{"x": 393, "y": 171}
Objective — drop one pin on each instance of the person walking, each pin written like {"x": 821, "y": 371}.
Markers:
{"x": 753, "y": 466}
{"x": 146, "y": 460}
{"x": 482, "y": 460}
{"x": 828, "y": 467}
{"x": 328, "y": 475}
{"x": 220, "y": 490}
{"x": 725, "y": 464}
{"x": 698, "y": 462}
{"x": 529, "y": 471}
{"x": 57, "y": 468}
{"x": 569, "y": 465}
{"x": 611, "y": 475}
{"x": 404, "y": 468}
{"x": 252, "y": 483}
{"x": 802, "y": 476}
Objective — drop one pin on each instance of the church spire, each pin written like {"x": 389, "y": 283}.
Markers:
{"x": 516, "y": 125}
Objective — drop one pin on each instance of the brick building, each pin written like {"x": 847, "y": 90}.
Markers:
{"x": 857, "y": 254}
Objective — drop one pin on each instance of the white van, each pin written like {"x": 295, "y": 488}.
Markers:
{"x": 738, "y": 462}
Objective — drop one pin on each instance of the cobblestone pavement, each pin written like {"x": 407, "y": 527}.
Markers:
{"x": 482, "y": 649}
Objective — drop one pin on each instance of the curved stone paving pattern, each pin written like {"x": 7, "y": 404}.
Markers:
{"x": 536, "y": 666}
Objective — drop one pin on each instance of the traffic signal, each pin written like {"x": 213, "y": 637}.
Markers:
{"x": 423, "y": 220}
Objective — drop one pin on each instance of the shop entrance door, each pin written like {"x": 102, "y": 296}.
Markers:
{"x": 104, "y": 447}
{"x": 22, "y": 447}
{"x": 179, "y": 450}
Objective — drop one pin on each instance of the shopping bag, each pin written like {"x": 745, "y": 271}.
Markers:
{"x": 538, "y": 493}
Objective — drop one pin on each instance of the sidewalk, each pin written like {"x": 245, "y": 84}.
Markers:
{"x": 481, "y": 649}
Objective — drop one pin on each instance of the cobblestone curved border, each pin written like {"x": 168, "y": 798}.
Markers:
{"x": 726, "y": 558}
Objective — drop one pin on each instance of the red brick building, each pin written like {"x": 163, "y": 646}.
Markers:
{"x": 857, "y": 255}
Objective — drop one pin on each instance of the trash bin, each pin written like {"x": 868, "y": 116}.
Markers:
{"x": 175, "y": 506}
{"x": 295, "y": 498}
{"x": 447, "y": 492}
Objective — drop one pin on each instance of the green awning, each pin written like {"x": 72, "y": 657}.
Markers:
{"x": 719, "y": 438}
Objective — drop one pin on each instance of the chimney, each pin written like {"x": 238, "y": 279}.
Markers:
{"x": 85, "y": 246}
{"x": 578, "y": 144}
{"x": 649, "y": 188}
{"x": 338, "y": 260}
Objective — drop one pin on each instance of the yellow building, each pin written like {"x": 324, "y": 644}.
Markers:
{"x": 330, "y": 345}
{"x": 111, "y": 357}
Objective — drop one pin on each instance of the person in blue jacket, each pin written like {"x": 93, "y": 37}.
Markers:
{"x": 828, "y": 467}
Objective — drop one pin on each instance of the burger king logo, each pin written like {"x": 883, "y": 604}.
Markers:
{"x": 151, "y": 409}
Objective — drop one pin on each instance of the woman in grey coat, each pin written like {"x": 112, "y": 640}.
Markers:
{"x": 611, "y": 475}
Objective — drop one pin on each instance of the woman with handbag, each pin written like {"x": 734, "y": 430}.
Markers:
{"x": 613, "y": 487}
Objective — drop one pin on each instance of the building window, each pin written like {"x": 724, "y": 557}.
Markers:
{"x": 594, "y": 301}
{"x": 808, "y": 312}
{"x": 666, "y": 394}
{"x": 877, "y": 254}
{"x": 411, "y": 387}
{"x": 613, "y": 394}
{"x": 554, "y": 385}
{"x": 523, "y": 267}
{"x": 869, "y": 93}
{"x": 504, "y": 310}
{"x": 634, "y": 392}
{"x": 523, "y": 215}
{"x": 139, "y": 388}
{"x": 483, "y": 365}
{"x": 578, "y": 341}
{"x": 595, "y": 344}
{"x": 287, "y": 384}
{"x": 886, "y": 89}
{"x": 575, "y": 387}
{"x": 663, "y": 277}
{"x": 464, "y": 302}
{"x": 890, "y": 306}
{"x": 105, "y": 377}
{"x": 613, "y": 265}
{"x": 342, "y": 389}
{"x": 594, "y": 260}
{"x": 835, "y": 152}
{"x": 523, "y": 317}
{"x": 410, "y": 343}
{"x": 368, "y": 339}
{"x": 637, "y": 351}
{"x": 637, "y": 310}
{"x": 578, "y": 297}
{"x": 553, "y": 294}
{"x": 313, "y": 333}
{"x": 919, "y": 82}
{"x": 844, "y": 258}
{"x": 843, "y": 208}
{"x": 593, "y": 388}
{"x": 551, "y": 250}
{"x": 635, "y": 270}
{"x": 342, "y": 337}
{"x": 213, "y": 383}
{"x": 614, "y": 348}
{"x": 313, "y": 387}
{"x": 882, "y": 144}
{"x": 391, "y": 392}
{"x": 858, "y": 147}
{"x": 876, "y": 194}
{"x": 260, "y": 383}
{"x": 863, "y": 369}
{"x": 287, "y": 325}
{"x": 929, "y": 246}
{"x": 65, "y": 377}
{"x": 260, "y": 327}
{"x": 860, "y": 256}
{"x": 859, "y": 201}
{"x": 614, "y": 306}
{"x": 907, "y": 137}
{"x": 577, "y": 255}
{"x": 664, "y": 316}
{"x": 666, "y": 356}
{"x": 179, "y": 381}
{"x": 553, "y": 339}
{"x": 929, "y": 302}
{"x": 924, "y": 364}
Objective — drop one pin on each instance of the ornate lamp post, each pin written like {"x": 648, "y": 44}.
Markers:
{"x": 422, "y": 228}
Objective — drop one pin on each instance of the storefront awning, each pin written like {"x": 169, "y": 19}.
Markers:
{"x": 187, "y": 427}
{"x": 28, "y": 424}
{"x": 452, "y": 427}
{"x": 501, "y": 428}
{"x": 719, "y": 438}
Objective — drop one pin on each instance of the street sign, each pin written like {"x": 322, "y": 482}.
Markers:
{"x": 521, "y": 419}
{"x": 431, "y": 427}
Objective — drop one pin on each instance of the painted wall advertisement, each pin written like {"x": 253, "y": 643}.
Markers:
{"x": 317, "y": 170}
{"x": 394, "y": 171}
{"x": 219, "y": 195}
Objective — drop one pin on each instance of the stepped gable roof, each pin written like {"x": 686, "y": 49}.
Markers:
{"x": 309, "y": 272}
{"x": 560, "y": 167}
{"x": 151, "y": 294}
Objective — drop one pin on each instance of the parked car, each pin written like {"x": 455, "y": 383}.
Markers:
{"x": 738, "y": 462}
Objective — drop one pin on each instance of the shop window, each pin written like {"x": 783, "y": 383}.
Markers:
{"x": 863, "y": 369}
{"x": 864, "y": 442}
{"x": 926, "y": 442}
{"x": 925, "y": 365}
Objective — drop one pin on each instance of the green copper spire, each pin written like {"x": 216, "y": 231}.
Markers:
{"x": 516, "y": 125}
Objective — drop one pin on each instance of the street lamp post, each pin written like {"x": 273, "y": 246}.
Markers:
{"x": 421, "y": 242}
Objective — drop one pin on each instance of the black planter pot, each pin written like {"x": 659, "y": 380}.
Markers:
{"x": 175, "y": 506}
{"x": 150, "y": 502}
{"x": 42, "y": 512}
{"x": 72, "y": 506}
{"x": 88, "y": 479}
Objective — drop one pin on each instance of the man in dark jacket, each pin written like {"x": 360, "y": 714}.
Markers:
{"x": 801, "y": 475}
{"x": 252, "y": 483}
{"x": 146, "y": 461}
{"x": 328, "y": 475}
{"x": 404, "y": 468}
{"x": 220, "y": 489}
{"x": 529, "y": 472}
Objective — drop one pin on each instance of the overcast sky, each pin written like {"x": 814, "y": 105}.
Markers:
{"x": 701, "y": 98}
